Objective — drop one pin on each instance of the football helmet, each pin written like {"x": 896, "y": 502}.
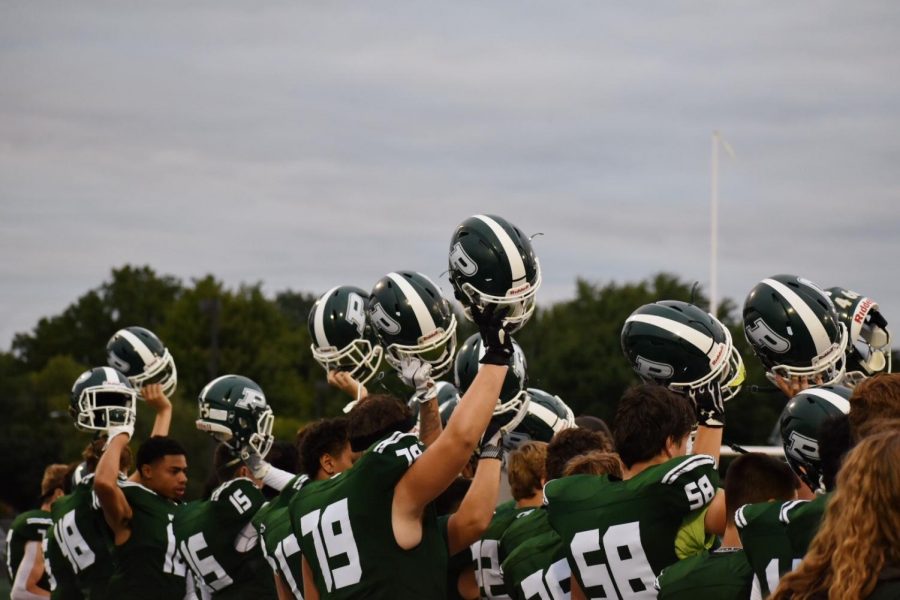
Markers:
{"x": 446, "y": 393}
{"x": 869, "y": 346}
{"x": 101, "y": 398}
{"x": 233, "y": 409}
{"x": 142, "y": 357}
{"x": 800, "y": 422}
{"x": 341, "y": 336}
{"x": 547, "y": 414}
{"x": 682, "y": 347}
{"x": 412, "y": 319}
{"x": 512, "y": 404}
{"x": 794, "y": 330}
{"x": 492, "y": 262}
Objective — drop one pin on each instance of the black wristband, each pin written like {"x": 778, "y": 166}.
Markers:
{"x": 496, "y": 356}
{"x": 494, "y": 452}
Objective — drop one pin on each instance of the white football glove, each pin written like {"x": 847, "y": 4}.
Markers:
{"x": 416, "y": 374}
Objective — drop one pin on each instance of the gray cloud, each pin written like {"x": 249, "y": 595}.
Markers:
{"x": 305, "y": 144}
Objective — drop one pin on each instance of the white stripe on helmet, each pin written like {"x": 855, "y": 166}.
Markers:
{"x": 516, "y": 266}
{"x": 423, "y": 317}
{"x": 702, "y": 341}
{"x": 139, "y": 346}
{"x": 319, "y": 320}
{"x": 813, "y": 324}
{"x": 836, "y": 400}
{"x": 111, "y": 375}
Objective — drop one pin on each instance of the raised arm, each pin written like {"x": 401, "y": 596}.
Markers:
{"x": 710, "y": 409}
{"x": 157, "y": 400}
{"x": 429, "y": 421}
{"x": 116, "y": 509}
{"x": 476, "y": 510}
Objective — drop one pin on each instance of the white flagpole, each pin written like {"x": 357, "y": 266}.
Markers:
{"x": 714, "y": 226}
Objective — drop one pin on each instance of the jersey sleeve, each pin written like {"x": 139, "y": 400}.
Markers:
{"x": 690, "y": 484}
{"x": 237, "y": 500}
{"x": 391, "y": 457}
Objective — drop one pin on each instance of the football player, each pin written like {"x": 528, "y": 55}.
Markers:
{"x": 794, "y": 330}
{"x": 388, "y": 491}
{"x": 140, "y": 514}
{"x": 619, "y": 534}
{"x": 725, "y": 572}
{"x": 24, "y": 556}
{"x": 324, "y": 452}
{"x": 216, "y": 536}
{"x": 763, "y": 527}
{"x": 77, "y": 546}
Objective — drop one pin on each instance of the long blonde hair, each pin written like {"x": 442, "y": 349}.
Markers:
{"x": 861, "y": 529}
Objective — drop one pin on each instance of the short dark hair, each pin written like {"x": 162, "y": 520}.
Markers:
{"x": 327, "y": 436}
{"x": 226, "y": 462}
{"x": 835, "y": 441}
{"x": 755, "y": 477}
{"x": 647, "y": 417}
{"x": 156, "y": 448}
{"x": 284, "y": 455}
{"x": 570, "y": 443}
{"x": 592, "y": 423}
{"x": 375, "y": 417}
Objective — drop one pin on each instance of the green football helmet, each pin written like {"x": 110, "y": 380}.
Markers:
{"x": 492, "y": 262}
{"x": 869, "y": 346}
{"x": 682, "y": 347}
{"x": 413, "y": 320}
{"x": 547, "y": 415}
{"x": 101, "y": 398}
{"x": 233, "y": 409}
{"x": 512, "y": 405}
{"x": 446, "y": 393}
{"x": 794, "y": 330}
{"x": 341, "y": 336}
{"x": 800, "y": 422}
{"x": 143, "y": 358}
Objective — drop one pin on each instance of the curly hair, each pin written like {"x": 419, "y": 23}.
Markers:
{"x": 877, "y": 397}
{"x": 595, "y": 463}
{"x": 569, "y": 443}
{"x": 860, "y": 532}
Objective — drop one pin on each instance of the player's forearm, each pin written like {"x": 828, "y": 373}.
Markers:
{"x": 471, "y": 416}
{"x": 429, "y": 422}
{"x": 25, "y": 584}
{"x": 162, "y": 422}
{"x": 708, "y": 441}
{"x": 106, "y": 486}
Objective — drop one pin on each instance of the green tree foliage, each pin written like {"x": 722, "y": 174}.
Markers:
{"x": 572, "y": 349}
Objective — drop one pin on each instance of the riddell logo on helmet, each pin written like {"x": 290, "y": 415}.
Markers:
{"x": 433, "y": 334}
{"x": 519, "y": 290}
{"x": 720, "y": 353}
{"x": 863, "y": 309}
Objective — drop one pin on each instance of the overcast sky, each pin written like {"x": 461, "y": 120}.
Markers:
{"x": 311, "y": 144}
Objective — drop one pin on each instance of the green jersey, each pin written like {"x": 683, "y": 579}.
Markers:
{"x": 764, "y": 538}
{"x": 278, "y": 542}
{"x": 456, "y": 564}
{"x": 537, "y": 569}
{"x": 724, "y": 575}
{"x": 78, "y": 545}
{"x": 220, "y": 545}
{"x": 346, "y": 534}
{"x": 620, "y": 534}
{"x": 148, "y": 565}
{"x": 802, "y": 523}
{"x": 62, "y": 580}
{"x": 486, "y": 552}
{"x": 527, "y": 523}
{"x": 30, "y": 526}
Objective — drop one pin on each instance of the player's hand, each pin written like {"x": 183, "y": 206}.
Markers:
{"x": 494, "y": 330}
{"x": 345, "y": 382}
{"x": 153, "y": 395}
{"x": 796, "y": 384}
{"x": 708, "y": 404}
{"x": 256, "y": 463}
{"x": 111, "y": 432}
{"x": 416, "y": 373}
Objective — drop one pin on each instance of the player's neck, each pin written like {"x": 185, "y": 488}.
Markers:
{"x": 731, "y": 539}
{"x": 532, "y": 501}
{"x": 639, "y": 467}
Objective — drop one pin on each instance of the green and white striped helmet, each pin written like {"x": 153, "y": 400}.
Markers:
{"x": 546, "y": 416}
{"x": 492, "y": 262}
{"x": 101, "y": 398}
{"x": 412, "y": 319}
{"x": 794, "y": 330}
{"x": 233, "y": 409}
{"x": 869, "y": 344}
{"x": 681, "y": 346}
{"x": 342, "y": 338}
{"x": 143, "y": 358}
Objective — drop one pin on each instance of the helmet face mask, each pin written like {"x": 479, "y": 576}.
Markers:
{"x": 234, "y": 411}
{"x": 546, "y": 415}
{"x": 141, "y": 356}
{"x": 869, "y": 345}
{"x": 491, "y": 262}
{"x": 342, "y": 339}
{"x": 413, "y": 320}
{"x": 682, "y": 347}
{"x": 102, "y": 398}
{"x": 512, "y": 405}
{"x": 793, "y": 328}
